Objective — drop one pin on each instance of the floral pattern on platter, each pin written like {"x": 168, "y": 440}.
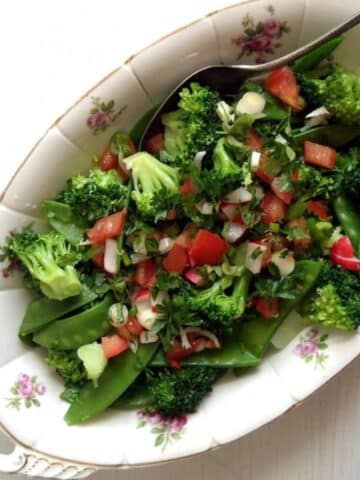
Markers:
{"x": 261, "y": 38}
{"x": 102, "y": 115}
{"x": 311, "y": 347}
{"x": 166, "y": 430}
{"x": 25, "y": 392}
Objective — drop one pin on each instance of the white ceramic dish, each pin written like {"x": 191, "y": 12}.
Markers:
{"x": 45, "y": 445}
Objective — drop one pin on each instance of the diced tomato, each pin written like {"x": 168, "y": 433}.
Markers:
{"x": 261, "y": 170}
{"x": 107, "y": 227}
{"x": 282, "y": 84}
{"x": 98, "y": 259}
{"x": 171, "y": 214}
{"x": 124, "y": 332}
{"x": 186, "y": 238}
{"x": 342, "y": 253}
{"x": 319, "y": 155}
{"x": 319, "y": 208}
{"x": 253, "y": 140}
{"x": 274, "y": 209}
{"x": 145, "y": 274}
{"x": 295, "y": 176}
{"x": 176, "y": 260}
{"x": 267, "y": 307}
{"x": 188, "y": 187}
{"x": 113, "y": 345}
{"x": 266, "y": 254}
{"x": 142, "y": 295}
{"x": 286, "y": 197}
{"x": 134, "y": 326}
{"x": 178, "y": 352}
{"x": 207, "y": 248}
{"x": 108, "y": 160}
{"x": 300, "y": 223}
{"x": 155, "y": 144}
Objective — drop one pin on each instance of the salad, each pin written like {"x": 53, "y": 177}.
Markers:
{"x": 164, "y": 268}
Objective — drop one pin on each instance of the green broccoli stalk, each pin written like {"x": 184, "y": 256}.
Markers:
{"x": 179, "y": 392}
{"x": 156, "y": 185}
{"x": 337, "y": 89}
{"x": 95, "y": 195}
{"x": 336, "y": 302}
{"x": 49, "y": 259}
{"x": 194, "y": 127}
{"x": 68, "y": 365}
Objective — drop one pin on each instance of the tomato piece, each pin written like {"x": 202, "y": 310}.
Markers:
{"x": 176, "y": 260}
{"x": 186, "y": 238}
{"x": 145, "y": 274}
{"x": 261, "y": 170}
{"x": 134, "y": 326}
{"x": 282, "y": 84}
{"x": 108, "y": 160}
{"x": 155, "y": 143}
{"x": 267, "y": 307}
{"x": 319, "y": 155}
{"x": 319, "y": 208}
{"x": 178, "y": 352}
{"x": 285, "y": 196}
{"x": 300, "y": 223}
{"x": 266, "y": 254}
{"x": 274, "y": 209}
{"x": 98, "y": 259}
{"x": 113, "y": 345}
{"x": 107, "y": 227}
{"x": 207, "y": 248}
{"x": 124, "y": 332}
{"x": 253, "y": 140}
{"x": 188, "y": 187}
{"x": 342, "y": 253}
{"x": 295, "y": 176}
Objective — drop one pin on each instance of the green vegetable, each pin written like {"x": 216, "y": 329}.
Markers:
{"x": 296, "y": 210}
{"x": 349, "y": 174}
{"x": 336, "y": 302}
{"x": 154, "y": 184}
{"x": 137, "y": 131}
{"x": 120, "y": 144}
{"x": 68, "y": 365}
{"x": 94, "y": 360}
{"x": 349, "y": 218}
{"x": 49, "y": 259}
{"x": 138, "y": 396}
{"x": 120, "y": 373}
{"x": 62, "y": 219}
{"x": 331, "y": 135}
{"x": 313, "y": 58}
{"x": 256, "y": 333}
{"x": 338, "y": 90}
{"x": 273, "y": 108}
{"x": 78, "y": 330}
{"x": 42, "y": 311}
{"x": 95, "y": 195}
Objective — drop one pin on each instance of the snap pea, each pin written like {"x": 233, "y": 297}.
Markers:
{"x": 331, "y": 135}
{"x": 43, "y": 311}
{"x": 78, "y": 330}
{"x": 139, "y": 128}
{"x": 256, "y": 333}
{"x": 61, "y": 218}
{"x": 135, "y": 400}
{"x": 313, "y": 58}
{"x": 120, "y": 373}
{"x": 349, "y": 218}
{"x": 296, "y": 210}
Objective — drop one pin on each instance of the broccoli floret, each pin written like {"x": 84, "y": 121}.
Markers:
{"x": 49, "y": 259}
{"x": 349, "y": 173}
{"x": 336, "y": 302}
{"x": 338, "y": 90}
{"x": 194, "y": 127}
{"x": 95, "y": 195}
{"x": 156, "y": 185}
{"x": 225, "y": 168}
{"x": 178, "y": 392}
{"x": 68, "y": 365}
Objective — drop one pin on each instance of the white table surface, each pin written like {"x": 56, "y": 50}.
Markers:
{"x": 50, "y": 53}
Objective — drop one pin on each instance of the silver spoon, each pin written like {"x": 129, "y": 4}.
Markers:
{"x": 228, "y": 78}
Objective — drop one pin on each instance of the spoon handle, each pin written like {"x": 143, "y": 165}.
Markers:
{"x": 299, "y": 52}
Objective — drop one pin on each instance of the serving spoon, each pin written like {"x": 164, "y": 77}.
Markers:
{"x": 227, "y": 79}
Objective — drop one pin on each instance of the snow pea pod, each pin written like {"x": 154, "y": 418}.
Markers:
{"x": 43, "y": 311}
{"x": 349, "y": 218}
{"x": 331, "y": 135}
{"x": 139, "y": 128}
{"x": 61, "y": 218}
{"x": 135, "y": 400}
{"x": 78, "y": 330}
{"x": 256, "y": 333}
{"x": 120, "y": 373}
{"x": 313, "y": 58}
{"x": 296, "y": 210}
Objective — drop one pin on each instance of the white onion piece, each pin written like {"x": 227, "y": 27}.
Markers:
{"x": 255, "y": 160}
{"x": 184, "y": 340}
{"x": 143, "y": 294}
{"x": 165, "y": 245}
{"x": 251, "y": 102}
{"x": 111, "y": 261}
{"x": 203, "y": 333}
{"x": 148, "y": 337}
{"x": 198, "y": 158}
{"x": 118, "y": 314}
{"x": 234, "y": 232}
{"x": 229, "y": 210}
{"x": 318, "y": 112}
{"x": 239, "y": 195}
{"x": 280, "y": 139}
{"x": 290, "y": 327}
{"x": 285, "y": 264}
{"x": 192, "y": 276}
{"x": 134, "y": 345}
{"x": 254, "y": 264}
{"x": 159, "y": 299}
{"x": 225, "y": 113}
{"x": 137, "y": 258}
{"x": 206, "y": 208}
{"x": 146, "y": 316}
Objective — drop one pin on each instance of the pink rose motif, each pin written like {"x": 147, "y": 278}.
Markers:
{"x": 91, "y": 121}
{"x": 271, "y": 27}
{"x": 26, "y": 390}
{"x": 101, "y": 119}
{"x": 259, "y": 43}
{"x": 41, "y": 389}
{"x": 177, "y": 424}
{"x": 155, "y": 418}
{"x": 239, "y": 41}
{"x": 299, "y": 349}
{"x": 309, "y": 347}
{"x": 23, "y": 378}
